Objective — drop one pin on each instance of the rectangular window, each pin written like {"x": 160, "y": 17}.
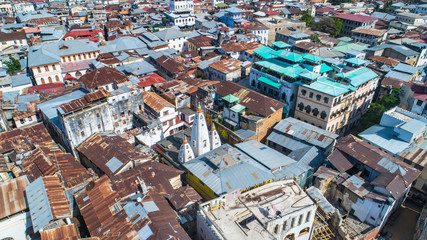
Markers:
{"x": 307, "y": 218}
{"x": 311, "y": 95}
{"x": 300, "y": 219}
{"x": 293, "y": 222}
{"x": 83, "y": 133}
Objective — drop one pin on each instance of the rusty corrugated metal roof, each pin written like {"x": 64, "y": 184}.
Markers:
{"x": 50, "y": 160}
{"x": 23, "y": 140}
{"x": 393, "y": 174}
{"x": 109, "y": 152}
{"x": 66, "y": 232}
{"x": 155, "y": 102}
{"x": 12, "y": 196}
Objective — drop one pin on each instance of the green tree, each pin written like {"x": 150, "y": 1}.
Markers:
{"x": 376, "y": 109}
{"x": 13, "y": 65}
{"x": 315, "y": 38}
{"x": 307, "y": 18}
{"x": 339, "y": 25}
{"x": 330, "y": 25}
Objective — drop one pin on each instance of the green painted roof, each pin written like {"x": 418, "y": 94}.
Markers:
{"x": 325, "y": 68}
{"x": 273, "y": 64}
{"x": 270, "y": 82}
{"x": 237, "y": 108}
{"x": 312, "y": 58}
{"x": 282, "y": 67}
{"x": 360, "y": 76}
{"x": 310, "y": 75}
{"x": 230, "y": 98}
{"x": 328, "y": 86}
{"x": 345, "y": 39}
{"x": 280, "y": 44}
{"x": 290, "y": 56}
{"x": 265, "y": 52}
{"x": 355, "y": 61}
{"x": 294, "y": 71}
{"x": 344, "y": 48}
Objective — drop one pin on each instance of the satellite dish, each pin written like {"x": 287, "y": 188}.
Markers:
{"x": 139, "y": 199}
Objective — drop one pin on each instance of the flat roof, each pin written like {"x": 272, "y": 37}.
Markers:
{"x": 262, "y": 204}
{"x": 328, "y": 86}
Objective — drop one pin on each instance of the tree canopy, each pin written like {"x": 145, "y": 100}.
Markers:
{"x": 376, "y": 109}
{"x": 330, "y": 25}
{"x": 13, "y": 65}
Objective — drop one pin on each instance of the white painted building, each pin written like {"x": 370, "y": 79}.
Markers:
{"x": 23, "y": 7}
{"x": 163, "y": 110}
{"x": 175, "y": 38}
{"x": 201, "y": 142}
{"x": 277, "y": 210}
{"x": 52, "y": 62}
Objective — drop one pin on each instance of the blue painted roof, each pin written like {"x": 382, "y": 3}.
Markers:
{"x": 259, "y": 151}
{"x": 122, "y": 44}
{"x": 398, "y": 75}
{"x": 49, "y": 108}
{"x": 137, "y": 68}
{"x": 360, "y": 76}
{"x": 28, "y": 98}
{"x": 169, "y": 34}
{"x": 41, "y": 213}
{"x": 47, "y": 53}
{"x": 114, "y": 164}
{"x": 402, "y": 67}
{"x": 20, "y": 79}
{"x": 145, "y": 232}
{"x": 227, "y": 168}
{"x": 150, "y": 206}
{"x": 383, "y": 138}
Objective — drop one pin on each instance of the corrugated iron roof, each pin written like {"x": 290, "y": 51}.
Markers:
{"x": 46, "y": 201}
{"x": 107, "y": 150}
{"x": 66, "y": 232}
{"x": 383, "y": 163}
{"x": 306, "y": 132}
{"x": 12, "y": 196}
{"x": 155, "y": 102}
{"x": 48, "y": 160}
{"x": 226, "y": 169}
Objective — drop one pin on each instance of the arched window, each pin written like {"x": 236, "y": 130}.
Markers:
{"x": 42, "y": 80}
{"x": 308, "y": 109}
{"x": 301, "y": 106}
{"x": 323, "y": 115}
{"x": 304, "y": 231}
{"x": 303, "y": 92}
{"x": 57, "y": 78}
{"x": 315, "y": 112}
{"x": 49, "y": 79}
{"x": 290, "y": 237}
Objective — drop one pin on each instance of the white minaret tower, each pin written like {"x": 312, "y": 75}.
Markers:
{"x": 185, "y": 152}
{"x": 199, "y": 134}
{"x": 214, "y": 137}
